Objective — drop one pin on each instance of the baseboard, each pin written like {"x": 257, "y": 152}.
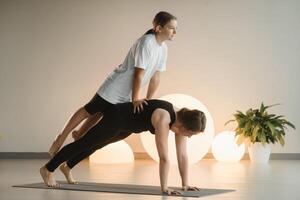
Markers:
{"x": 137, "y": 156}
{"x": 273, "y": 156}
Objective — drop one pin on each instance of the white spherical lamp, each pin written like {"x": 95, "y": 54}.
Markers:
{"x": 225, "y": 148}
{"x": 119, "y": 152}
{"x": 197, "y": 146}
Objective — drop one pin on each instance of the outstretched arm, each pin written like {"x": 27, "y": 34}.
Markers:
{"x": 136, "y": 90}
{"x": 182, "y": 159}
{"x": 161, "y": 139}
{"x": 160, "y": 120}
{"x": 153, "y": 85}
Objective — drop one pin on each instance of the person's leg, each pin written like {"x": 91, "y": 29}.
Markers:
{"x": 67, "y": 166}
{"x": 103, "y": 142}
{"x": 73, "y": 148}
{"x": 66, "y": 152}
{"x": 87, "y": 125}
{"x": 48, "y": 177}
{"x": 102, "y": 131}
{"x": 76, "y": 119}
{"x": 95, "y": 105}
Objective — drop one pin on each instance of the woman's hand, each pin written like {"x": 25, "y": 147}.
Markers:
{"x": 138, "y": 105}
{"x": 189, "y": 188}
{"x": 169, "y": 191}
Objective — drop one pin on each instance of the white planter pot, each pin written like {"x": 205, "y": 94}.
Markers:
{"x": 259, "y": 153}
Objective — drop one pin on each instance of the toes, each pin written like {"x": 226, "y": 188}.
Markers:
{"x": 54, "y": 185}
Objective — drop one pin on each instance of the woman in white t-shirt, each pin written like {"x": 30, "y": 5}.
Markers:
{"x": 143, "y": 64}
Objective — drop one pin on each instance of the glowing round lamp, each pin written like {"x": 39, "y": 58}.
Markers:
{"x": 118, "y": 152}
{"x": 197, "y": 146}
{"x": 224, "y": 147}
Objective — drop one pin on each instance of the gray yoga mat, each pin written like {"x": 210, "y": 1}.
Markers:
{"x": 123, "y": 188}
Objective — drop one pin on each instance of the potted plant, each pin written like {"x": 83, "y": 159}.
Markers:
{"x": 258, "y": 128}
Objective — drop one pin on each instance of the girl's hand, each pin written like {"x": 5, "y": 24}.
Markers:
{"x": 189, "y": 188}
{"x": 171, "y": 192}
{"x": 138, "y": 105}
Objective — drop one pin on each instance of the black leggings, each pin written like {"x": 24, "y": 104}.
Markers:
{"x": 102, "y": 134}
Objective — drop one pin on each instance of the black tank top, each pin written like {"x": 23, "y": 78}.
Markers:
{"x": 123, "y": 119}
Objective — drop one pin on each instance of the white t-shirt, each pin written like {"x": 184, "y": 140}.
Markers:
{"x": 147, "y": 54}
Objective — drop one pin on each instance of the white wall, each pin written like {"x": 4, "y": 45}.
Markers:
{"x": 229, "y": 54}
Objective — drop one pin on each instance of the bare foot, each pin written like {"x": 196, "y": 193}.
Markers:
{"x": 76, "y": 135}
{"x": 48, "y": 177}
{"x": 67, "y": 172}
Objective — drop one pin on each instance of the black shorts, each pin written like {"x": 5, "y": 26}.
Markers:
{"x": 97, "y": 104}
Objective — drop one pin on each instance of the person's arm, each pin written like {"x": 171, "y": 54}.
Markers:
{"x": 183, "y": 165}
{"x": 160, "y": 120}
{"x": 136, "y": 90}
{"x": 182, "y": 159}
{"x": 153, "y": 85}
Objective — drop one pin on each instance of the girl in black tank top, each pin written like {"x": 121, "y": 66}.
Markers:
{"x": 118, "y": 122}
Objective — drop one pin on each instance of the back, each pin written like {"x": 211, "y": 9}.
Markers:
{"x": 125, "y": 120}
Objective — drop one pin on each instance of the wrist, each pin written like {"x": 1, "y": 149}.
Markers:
{"x": 184, "y": 187}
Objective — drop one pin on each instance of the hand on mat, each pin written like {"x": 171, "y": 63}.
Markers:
{"x": 189, "y": 188}
{"x": 171, "y": 192}
{"x": 138, "y": 105}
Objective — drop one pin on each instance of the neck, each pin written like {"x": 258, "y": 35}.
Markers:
{"x": 159, "y": 39}
{"x": 175, "y": 126}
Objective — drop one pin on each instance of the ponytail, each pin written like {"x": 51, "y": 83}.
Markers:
{"x": 161, "y": 19}
{"x": 150, "y": 31}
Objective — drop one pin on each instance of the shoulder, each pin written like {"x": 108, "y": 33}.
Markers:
{"x": 160, "y": 116}
{"x": 146, "y": 40}
{"x": 161, "y": 108}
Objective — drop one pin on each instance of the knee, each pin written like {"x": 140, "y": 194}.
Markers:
{"x": 83, "y": 112}
{"x": 98, "y": 115}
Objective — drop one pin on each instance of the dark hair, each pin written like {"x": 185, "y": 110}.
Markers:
{"x": 192, "y": 120}
{"x": 161, "y": 19}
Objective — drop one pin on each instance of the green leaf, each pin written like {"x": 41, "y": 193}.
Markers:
{"x": 232, "y": 120}
{"x": 262, "y": 107}
{"x": 289, "y": 124}
{"x": 249, "y": 112}
{"x": 240, "y": 139}
{"x": 263, "y": 138}
{"x": 281, "y": 140}
{"x": 272, "y": 106}
{"x": 254, "y": 132}
{"x": 271, "y": 128}
{"x": 279, "y": 116}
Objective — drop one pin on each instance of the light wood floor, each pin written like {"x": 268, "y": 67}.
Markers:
{"x": 280, "y": 179}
